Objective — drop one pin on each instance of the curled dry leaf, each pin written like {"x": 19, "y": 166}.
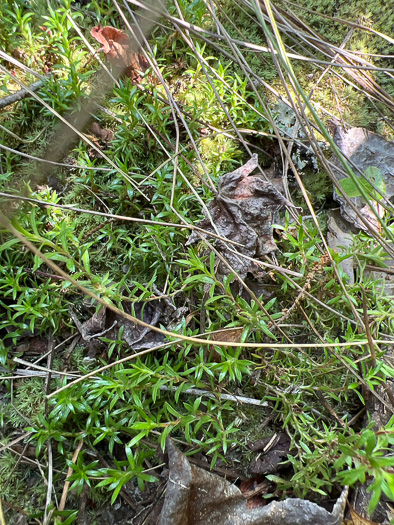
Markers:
{"x": 116, "y": 46}
{"x": 232, "y": 335}
{"x": 242, "y": 211}
{"x": 106, "y": 323}
{"x": 197, "y": 497}
{"x": 105, "y": 135}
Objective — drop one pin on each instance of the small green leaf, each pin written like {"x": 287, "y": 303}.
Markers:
{"x": 375, "y": 176}
{"x": 349, "y": 187}
{"x": 85, "y": 260}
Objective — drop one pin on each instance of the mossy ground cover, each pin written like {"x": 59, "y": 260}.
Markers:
{"x": 170, "y": 145}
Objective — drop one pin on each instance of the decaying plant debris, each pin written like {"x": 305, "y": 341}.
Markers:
{"x": 196, "y": 496}
{"x": 365, "y": 150}
{"x": 153, "y": 372}
{"x": 242, "y": 211}
{"x": 116, "y": 47}
{"x": 106, "y": 323}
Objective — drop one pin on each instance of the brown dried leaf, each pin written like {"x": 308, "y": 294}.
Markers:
{"x": 106, "y": 323}
{"x": 242, "y": 211}
{"x": 359, "y": 520}
{"x": 104, "y": 134}
{"x": 116, "y": 46}
{"x": 231, "y": 335}
{"x": 197, "y": 497}
{"x": 272, "y": 451}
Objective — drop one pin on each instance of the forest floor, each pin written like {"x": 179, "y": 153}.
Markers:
{"x": 196, "y": 243}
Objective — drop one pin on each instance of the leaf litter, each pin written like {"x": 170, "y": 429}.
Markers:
{"x": 198, "y": 497}
{"x": 116, "y": 47}
{"x": 243, "y": 211}
{"x": 106, "y": 323}
{"x": 366, "y": 150}
{"x": 372, "y": 155}
{"x": 271, "y": 451}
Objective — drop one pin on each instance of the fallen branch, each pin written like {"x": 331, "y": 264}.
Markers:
{"x": 19, "y": 95}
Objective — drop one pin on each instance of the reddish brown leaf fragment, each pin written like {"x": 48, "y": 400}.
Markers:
{"x": 116, "y": 46}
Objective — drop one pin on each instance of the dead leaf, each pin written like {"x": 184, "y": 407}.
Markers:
{"x": 359, "y": 520}
{"x": 104, "y": 134}
{"x": 106, "y": 323}
{"x": 242, "y": 211}
{"x": 252, "y": 489}
{"x": 116, "y": 46}
{"x": 197, "y": 497}
{"x": 369, "y": 215}
{"x": 365, "y": 149}
{"x": 230, "y": 335}
{"x": 271, "y": 451}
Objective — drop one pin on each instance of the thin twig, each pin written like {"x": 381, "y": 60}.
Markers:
{"x": 225, "y": 397}
{"x": 2, "y": 520}
{"x": 15, "y": 441}
{"x": 329, "y": 408}
{"x": 67, "y": 483}
{"x": 48, "y": 512}
{"x": 42, "y": 368}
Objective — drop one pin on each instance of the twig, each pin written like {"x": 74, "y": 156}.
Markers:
{"x": 126, "y": 218}
{"x": 22, "y": 374}
{"x": 379, "y": 269}
{"x": 42, "y": 368}
{"x": 329, "y": 408}
{"x": 20, "y": 95}
{"x": 15, "y": 441}
{"x": 70, "y": 349}
{"x": 2, "y": 520}
{"x": 48, "y": 513}
{"x": 226, "y": 397}
{"x": 66, "y": 486}
{"x": 196, "y": 340}
{"x": 52, "y": 276}
{"x": 14, "y": 507}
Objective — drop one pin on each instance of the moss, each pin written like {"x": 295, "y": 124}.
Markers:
{"x": 332, "y": 93}
{"x": 29, "y": 402}
{"x": 14, "y": 479}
